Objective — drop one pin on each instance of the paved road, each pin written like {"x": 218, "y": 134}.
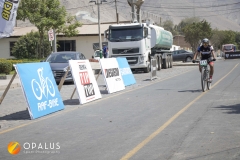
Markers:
{"x": 169, "y": 118}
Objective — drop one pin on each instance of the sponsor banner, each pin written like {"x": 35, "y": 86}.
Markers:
{"x": 125, "y": 71}
{"x": 112, "y": 76}
{"x": 153, "y": 69}
{"x": 85, "y": 81}
{"x": 232, "y": 55}
{"x": 39, "y": 88}
{"x": 8, "y": 10}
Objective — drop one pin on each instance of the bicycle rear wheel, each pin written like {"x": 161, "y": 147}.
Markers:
{"x": 203, "y": 80}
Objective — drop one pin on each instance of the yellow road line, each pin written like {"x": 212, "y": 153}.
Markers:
{"x": 159, "y": 130}
{"x": 64, "y": 111}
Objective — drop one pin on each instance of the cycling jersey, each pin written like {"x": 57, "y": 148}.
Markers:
{"x": 205, "y": 52}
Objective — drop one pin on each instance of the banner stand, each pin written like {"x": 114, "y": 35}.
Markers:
{"x": 9, "y": 84}
{"x": 63, "y": 79}
{"x": 153, "y": 69}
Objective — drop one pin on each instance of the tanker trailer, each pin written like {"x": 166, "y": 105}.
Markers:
{"x": 161, "y": 43}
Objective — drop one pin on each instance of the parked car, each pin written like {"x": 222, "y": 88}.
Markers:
{"x": 182, "y": 55}
{"x": 59, "y": 63}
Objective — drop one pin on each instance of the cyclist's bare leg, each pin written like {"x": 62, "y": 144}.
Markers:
{"x": 211, "y": 64}
{"x": 200, "y": 68}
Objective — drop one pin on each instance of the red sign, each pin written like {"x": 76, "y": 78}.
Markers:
{"x": 84, "y": 78}
{"x": 50, "y": 35}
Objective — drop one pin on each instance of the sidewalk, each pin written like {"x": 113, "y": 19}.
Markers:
{"x": 4, "y": 82}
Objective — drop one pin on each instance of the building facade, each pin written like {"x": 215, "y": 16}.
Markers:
{"x": 83, "y": 42}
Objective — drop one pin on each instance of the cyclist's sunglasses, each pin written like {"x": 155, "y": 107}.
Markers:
{"x": 205, "y": 44}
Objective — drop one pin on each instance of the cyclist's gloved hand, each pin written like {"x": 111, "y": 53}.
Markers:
{"x": 214, "y": 59}
{"x": 193, "y": 61}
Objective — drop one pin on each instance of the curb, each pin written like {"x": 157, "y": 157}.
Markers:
{"x": 185, "y": 64}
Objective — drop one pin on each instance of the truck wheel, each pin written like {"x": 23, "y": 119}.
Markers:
{"x": 147, "y": 70}
{"x": 159, "y": 62}
{"x": 165, "y": 63}
{"x": 168, "y": 61}
{"x": 171, "y": 62}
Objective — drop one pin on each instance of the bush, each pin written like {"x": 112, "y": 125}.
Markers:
{"x": 28, "y": 46}
{"x": 5, "y": 66}
{"x": 14, "y": 61}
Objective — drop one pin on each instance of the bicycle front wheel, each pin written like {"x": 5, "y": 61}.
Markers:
{"x": 203, "y": 79}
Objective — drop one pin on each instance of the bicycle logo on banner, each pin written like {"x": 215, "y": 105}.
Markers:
{"x": 45, "y": 86}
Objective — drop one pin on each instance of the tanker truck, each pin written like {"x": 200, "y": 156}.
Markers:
{"x": 139, "y": 42}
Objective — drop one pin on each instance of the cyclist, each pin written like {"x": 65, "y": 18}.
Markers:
{"x": 206, "y": 51}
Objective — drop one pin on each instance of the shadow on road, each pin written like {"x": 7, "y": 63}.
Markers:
{"x": 231, "y": 109}
{"x": 21, "y": 115}
{"x": 71, "y": 102}
{"x": 192, "y": 91}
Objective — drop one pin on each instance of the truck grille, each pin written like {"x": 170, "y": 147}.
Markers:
{"x": 132, "y": 60}
{"x": 125, "y": 51}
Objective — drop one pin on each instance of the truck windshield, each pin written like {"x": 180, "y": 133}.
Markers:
{"x": 228, "y": 47}
{"x": 125, "y": 34}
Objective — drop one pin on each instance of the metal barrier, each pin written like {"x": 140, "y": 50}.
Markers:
{"x": 153, "y": 69}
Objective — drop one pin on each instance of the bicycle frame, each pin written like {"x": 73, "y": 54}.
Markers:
{"x": 205, "y": 74}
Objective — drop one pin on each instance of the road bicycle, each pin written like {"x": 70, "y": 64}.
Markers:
{"x": 44, "y": 88}
{"x": 205, "y": 71}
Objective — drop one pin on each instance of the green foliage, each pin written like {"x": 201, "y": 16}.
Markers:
{"x": 169, "y": 26}
{"x": 186, "y": 21}
{"x": 237, "y": 40}
{"x": 28, "y": 46}
{"x": 5, "y": 66}
{"x": 223, "y": 37}
{"x": 46, "y": 15}
{"x": 14, "y": 61}
{"x": 195, "y": 32}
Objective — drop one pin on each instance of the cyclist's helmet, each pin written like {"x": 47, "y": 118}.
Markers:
{"x": 205, "y": 41}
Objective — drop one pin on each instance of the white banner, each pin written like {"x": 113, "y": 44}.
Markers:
{"x": 8, "y": 10}
{"x": 85, "y": 81}
{"x": 112, "y": 76}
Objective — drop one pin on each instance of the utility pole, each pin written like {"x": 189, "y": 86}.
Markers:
{"x": 116, "y": 12}
{"x": 99, "y": 30}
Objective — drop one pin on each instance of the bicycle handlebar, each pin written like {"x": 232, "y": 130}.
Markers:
{"x": 208, "y": 60}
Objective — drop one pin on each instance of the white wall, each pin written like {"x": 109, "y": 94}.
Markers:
{"x": 84, "y": 44}
{"x": 5, "y": 47}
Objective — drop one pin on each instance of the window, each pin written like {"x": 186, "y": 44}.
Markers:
{"x": 11, "y": 48}
{"x": 67, "y": 45}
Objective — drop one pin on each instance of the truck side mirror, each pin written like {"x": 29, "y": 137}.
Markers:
{"x": 106, "y": 35}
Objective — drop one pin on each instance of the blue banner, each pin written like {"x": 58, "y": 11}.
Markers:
{"x": 40, "y": 89}
{"x": 126, "y": 72}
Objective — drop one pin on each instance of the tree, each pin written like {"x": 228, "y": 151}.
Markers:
{"x": 169, "y": 26}
{"x": 238, "y": 40}
{"x": 223, "y": 37}
{"x": 46, "y": 15}
{"x": 216, "y": 40}
{"x": 186, "y": 21}
{"x": 27, "y": 46}
{"x": 195, "y": 32}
